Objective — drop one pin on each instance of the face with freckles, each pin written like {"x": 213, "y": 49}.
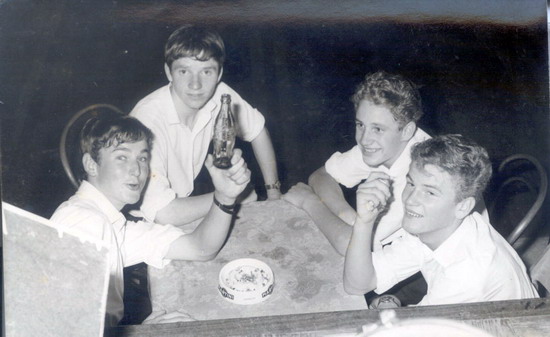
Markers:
{"x": 121, "y": 172}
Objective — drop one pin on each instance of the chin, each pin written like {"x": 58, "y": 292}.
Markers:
{"x": 372, "y": 162}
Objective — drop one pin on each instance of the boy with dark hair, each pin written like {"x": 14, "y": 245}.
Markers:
{"x": 116, "y": 162}
{"x": 181, "y": 115}
{"x": 462, "y": 257}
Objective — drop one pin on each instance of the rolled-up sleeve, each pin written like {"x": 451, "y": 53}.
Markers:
{"x": 148, "y": 242}
{"x": 250, "y": 121}
{"x": 397, "y": 261}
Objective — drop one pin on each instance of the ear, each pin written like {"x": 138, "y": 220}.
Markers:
{"x": 167, "y": 72}
{"x": 90, "y": 165}
{"x": 220, "y": 74}
{"x": 407, "y": 132}
{"x": 464, "y": 207}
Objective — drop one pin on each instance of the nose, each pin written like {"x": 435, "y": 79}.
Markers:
{"x": 195, "y": 82}
{"x": 135, "y": 169}
{"x": 364, "y": 137}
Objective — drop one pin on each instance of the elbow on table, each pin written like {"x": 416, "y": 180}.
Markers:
{"x": 357, "y": 290}
{"x": 204, "y": 255}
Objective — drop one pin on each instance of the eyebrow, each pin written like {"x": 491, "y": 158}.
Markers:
{"x": 426, "y": 185}
{"x": 125, "y": 149}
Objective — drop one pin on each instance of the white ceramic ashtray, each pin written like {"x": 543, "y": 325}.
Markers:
{"x": 246, "y": 281}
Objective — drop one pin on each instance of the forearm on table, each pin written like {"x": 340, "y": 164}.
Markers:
{"x": 265, "y": 155}
{"x": 331, "y": 194}
{"x": 206, "y": 240}
{"x": 359, "y": 273}
{"x": 181, "y": 211}
{"x": 333, "y": 228}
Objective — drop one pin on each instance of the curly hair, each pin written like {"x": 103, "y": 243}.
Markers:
{"x": 467, "y": 162}
{"x": 194, "y": 41}
{"x": 400, "y": 95}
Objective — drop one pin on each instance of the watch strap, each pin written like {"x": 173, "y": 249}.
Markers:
{"x": 229, "y": 209}
{"x": 274, "y": 186}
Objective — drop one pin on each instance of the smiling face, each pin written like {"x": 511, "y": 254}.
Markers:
{"x": 378, "y": 134}
{"x": 431, "y": 210}
{"x": 121, "y": 172}
{"x": 193, "y": 82}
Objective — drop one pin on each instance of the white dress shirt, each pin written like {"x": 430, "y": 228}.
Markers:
{"x": 349, "y": 169}
{"x": 178, "y": 152}
{"x": 475, "y": 264}
{"x": 89, "y": 211}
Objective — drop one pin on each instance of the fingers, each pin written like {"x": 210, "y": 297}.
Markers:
{"x": 378, "y": 175}
{"x": 237, "y": 154}
{"x": 239, "y": 171}
{"x": 373, "y": 194}
{"x": 378, "y": 186}
{"x": 372, "y": 199}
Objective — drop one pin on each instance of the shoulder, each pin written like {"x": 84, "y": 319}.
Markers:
{"x": 151, "y": 105}
{"x": 224, "y": 88}
{"x": 80, "y": 215}
{"x": 420, "y": 136}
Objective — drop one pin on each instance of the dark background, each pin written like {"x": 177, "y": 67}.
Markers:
{"x": 480, "y": 76}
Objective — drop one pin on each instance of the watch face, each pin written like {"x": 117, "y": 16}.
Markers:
{"x": 276, "y": 185}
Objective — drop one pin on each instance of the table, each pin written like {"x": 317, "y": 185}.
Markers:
{"x": 308, "y": 271}
{"x": 517, "y": 318}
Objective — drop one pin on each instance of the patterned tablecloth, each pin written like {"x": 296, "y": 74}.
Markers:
{"x": 307, "y": 270}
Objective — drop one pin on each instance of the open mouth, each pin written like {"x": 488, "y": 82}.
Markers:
{"x": 413, "y": 214}
{"x": 369, "y": 150}
{"x": 133, "y": 187}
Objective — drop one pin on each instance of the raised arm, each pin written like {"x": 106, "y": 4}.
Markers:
{"x": 181, "y": 211}
{"x": 265, "y": 155}
{"x": 331, "y": 194}
{"x": 207, "y": 239}
{"x": 359, "y": 273}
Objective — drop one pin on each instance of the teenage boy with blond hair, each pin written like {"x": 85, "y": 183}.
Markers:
{"x": 461, "y": 256}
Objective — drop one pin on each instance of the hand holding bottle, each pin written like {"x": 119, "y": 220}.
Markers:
{"x": 229, "y": 183}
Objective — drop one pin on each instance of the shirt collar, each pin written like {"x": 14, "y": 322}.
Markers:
{"x": 453, "y": 249}
{"x": 88, "y": 192}
{"x": 401, "y": 166}
{"x": 203, "y": 115}
{"x": 169, "y": 107}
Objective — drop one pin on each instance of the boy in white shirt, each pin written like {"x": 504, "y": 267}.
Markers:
{"x": 181, "y": 115}
{"x": 461, "y": 256}
{"x": 116, "y": 154}
{"x": 387, "y": 109}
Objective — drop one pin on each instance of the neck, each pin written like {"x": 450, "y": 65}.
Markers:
{"x": 186, "y": 115}
{"x": 97, "y": 186}
{"x": 434, "y": 239}
{"x": 389, "y": 163}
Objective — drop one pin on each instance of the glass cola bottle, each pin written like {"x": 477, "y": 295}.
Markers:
{"x": 224, "y": 134}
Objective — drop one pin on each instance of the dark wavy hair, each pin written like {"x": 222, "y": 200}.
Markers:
{"x": 104, "y": 132}
{"x": 194, "y": 41}
{"x": 394, "y": 91}
{"x": 467, "y": 162}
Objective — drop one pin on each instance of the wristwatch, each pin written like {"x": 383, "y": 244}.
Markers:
{"x": 274, "y": 186}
